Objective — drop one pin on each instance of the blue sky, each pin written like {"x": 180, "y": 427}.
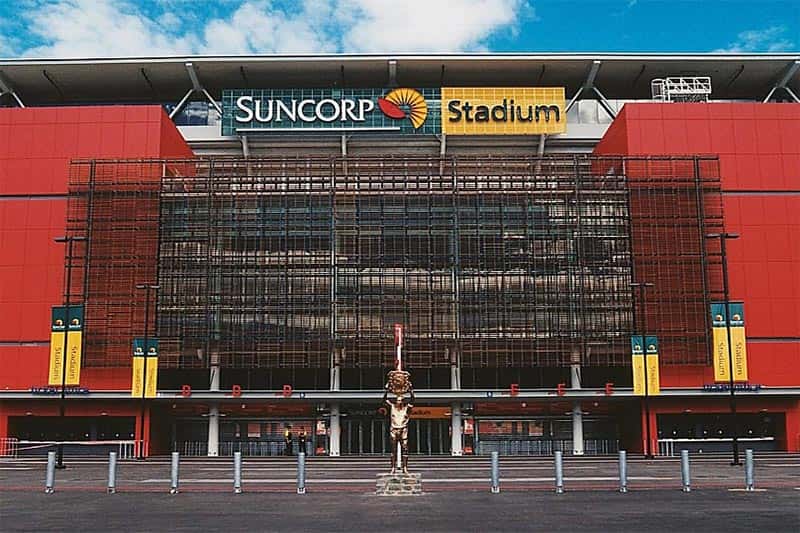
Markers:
{"x": 126, "y": 28}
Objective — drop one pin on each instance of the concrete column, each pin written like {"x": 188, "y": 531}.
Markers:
{"x": 336, "y": 431}
{"x": 577, "y": 414}
{"x": 213, "y": 415}
{"x": 213, "y": 430}
{"x": 455, "y": 378}
{"x": 335, "y": 378}
{"x": 455, "y": 432}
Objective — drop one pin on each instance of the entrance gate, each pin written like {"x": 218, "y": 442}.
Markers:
{"x": 364, "y": 436}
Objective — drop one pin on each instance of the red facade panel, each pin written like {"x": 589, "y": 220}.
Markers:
{"x": 37, "y": 144}
{"x": 36, "y": 147}
{"x": 33, "y": 267}
{"x": 759, "y": 154}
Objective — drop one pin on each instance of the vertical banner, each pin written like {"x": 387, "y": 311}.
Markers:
{"x": 138, "y": 368}
{"x": 738, "y": 341}
{"x": 74, "y": 344}
{"x": 720, "y": 342}
{"x": 637, "y": 364}
{"x": 653, "y": 372}
{"x": 58, "y": 329}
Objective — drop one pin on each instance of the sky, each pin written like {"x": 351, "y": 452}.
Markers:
{"x": 128, "y": 28}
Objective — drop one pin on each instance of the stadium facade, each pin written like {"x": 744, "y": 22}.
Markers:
{"x": 543, "y": 227}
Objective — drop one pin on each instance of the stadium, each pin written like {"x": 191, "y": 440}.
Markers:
{"x": 585, "y": 253}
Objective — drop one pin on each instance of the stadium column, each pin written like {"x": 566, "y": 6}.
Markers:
{"x": 213, "y": 412}
{"x": 577, "y": 414}
{"x": 335, "y": 428}
{"x": 455, "y": 409}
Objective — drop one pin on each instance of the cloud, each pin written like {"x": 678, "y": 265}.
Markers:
{"x": 100, "y": 28}
{"x": 772, "y": 39}
{"x": 118, "y": 28}
{"x": 443, "y": 26}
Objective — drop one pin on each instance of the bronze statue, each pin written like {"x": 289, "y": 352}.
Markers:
{"x": 399, "y": 382}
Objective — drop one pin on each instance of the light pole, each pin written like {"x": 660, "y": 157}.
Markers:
{"x": 69, "y": 239}
{"x": 642, "y": 286}
{"x": 147, "y": 287}
{"x": 723, "y": 238}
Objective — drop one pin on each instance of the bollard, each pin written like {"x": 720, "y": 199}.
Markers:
{"x": 559, "y": 472}
{"x": 301, "y": 473}
{"x": 50, "y": 476}
{"x": 237, "y": 472}
{"x": 112, "y": 472}
{"x": 173, "y": 485}
{"x": 749, "y": 482}
{"x": 685, "y": 474}
{"x": 623, "y": 471}
{"x": 495, "y": 473}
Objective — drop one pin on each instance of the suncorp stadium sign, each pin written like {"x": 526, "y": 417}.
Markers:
{"x": 450, "y": 110}
{"x": 391, "y": 110}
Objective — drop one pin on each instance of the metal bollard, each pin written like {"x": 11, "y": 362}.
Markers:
{"x": 685, "y": 473}
{"x": 173, "y": 485}
{"x": 559, "y": 472}
{"x": 749, "y": 481}
{"x": 495, "y": 473}
{"x": 50, "y": 476}
{"x": 301, "y": 473}
{"x": 237, "y": 472}
{"x": 112, "y": 472}
{"x": 623, "y": 471}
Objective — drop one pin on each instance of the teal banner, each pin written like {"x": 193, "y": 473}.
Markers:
{"x": 637, "y": 345}
{"x": 402, "y": 110}
{"x": 718, "y": 315}
{"x": 139, "y": 350}
{"x": 737, "y": 314}
{"x": 75, "y": 318}
{"x": 58, "y": 318}
{"x": 652, "y": 344}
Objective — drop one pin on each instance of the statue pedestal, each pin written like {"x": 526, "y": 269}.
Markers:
{"x": 398, "y": 484}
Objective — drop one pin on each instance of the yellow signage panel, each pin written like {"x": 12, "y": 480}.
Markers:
{"x": 74, "y": 345}
{"x": 637, "y": 363}
{"x": 56, "y": 357}
{"x": 653, "y": 375}
{"x": 722, "y": 368}
{"x": 503, "y": 110}
{"x": 739, "y": 345}
{"x": 152, "y": 377}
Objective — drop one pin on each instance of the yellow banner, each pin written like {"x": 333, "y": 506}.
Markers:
{"x": 637, "y": 363}
{"x": 721, "y": 364}
{"x": 653, "y": 375}
{"x": 56, "y": 357}
{"x": 74, "y": 346}
{"x": 136, "y": 383}
{"x": 503, "y": 110}
{"x": 152, "y": 377}
{"x": 739, "y": 345}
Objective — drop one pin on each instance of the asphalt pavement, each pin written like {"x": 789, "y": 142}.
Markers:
{"x": 341, "y": 496}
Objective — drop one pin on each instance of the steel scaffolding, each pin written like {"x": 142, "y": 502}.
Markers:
{"x": 488, "y": 261}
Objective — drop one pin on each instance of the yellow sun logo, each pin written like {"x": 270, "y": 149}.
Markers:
{"x": 407, "y": 98}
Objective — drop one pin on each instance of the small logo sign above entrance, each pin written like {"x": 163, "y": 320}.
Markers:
{"x": 404, "y": 110}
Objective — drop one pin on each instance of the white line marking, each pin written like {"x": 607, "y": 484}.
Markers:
{"x": 246, "y": 480}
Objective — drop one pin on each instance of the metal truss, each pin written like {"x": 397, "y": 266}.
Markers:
{"x": 197, "y": 87}
{"x": 783, "y": 82}
{"x": 589, "y": 85}
{"x": 7, "y": 88}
